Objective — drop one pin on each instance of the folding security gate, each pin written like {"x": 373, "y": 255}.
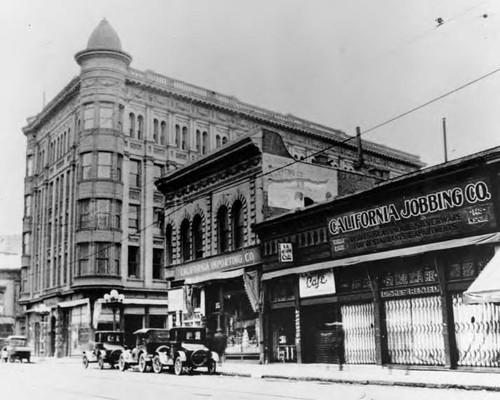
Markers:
{"x": 415, "y": 331}
{"x": 359, "y": 333}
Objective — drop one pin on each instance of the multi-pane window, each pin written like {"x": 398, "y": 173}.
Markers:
{"x": 87, "y": 165}
{"x": 106, "y": 115}
{"x": 158, "y": 171}
{"x": 133, "y": 262}
{"x": 135, "y": 173}
{"x": 155, "y": 130}
{"x": 177, "y": 135}
{"x": 140, "y": 126}
{"x": 204, "y": 147}
{"x": 133, "y": 218}
{"x": 102, "y": 258}
{"x": 88, "y": 116}
{"x": 158, "y": 221}
{"x": 163, "y": 132}
{"x": 131, "y": 124}
{"x": 83, "y": 259}
{"x": 223, "y": 229}
{"x": 26, "y": 243}
{"x": 158, "y": 264}
{"x": 198, "y": 140}
{"x": 238, "y": 225}
{"x": 29, "y": 165}
{"x": 27, "y": 206}
{"x": 197, "y": 237}
{"x": 185, "y": 143}
{"x": 117, "y": 260}
{"x": 99, "y": 214}
{"x": 185, "y": 243}
{"x": 104, "y": 164}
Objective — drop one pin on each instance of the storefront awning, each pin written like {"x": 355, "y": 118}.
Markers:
{"x": 73, "y": 303}
{"x": 215, "y": 276}
{"x": 407, "y": 251}
{"x": 486, "y": 287}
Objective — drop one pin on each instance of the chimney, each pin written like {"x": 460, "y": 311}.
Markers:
{"x": 360, "y": 161}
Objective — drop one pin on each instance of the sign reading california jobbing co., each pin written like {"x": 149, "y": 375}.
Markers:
{"x": 441, "y": 213}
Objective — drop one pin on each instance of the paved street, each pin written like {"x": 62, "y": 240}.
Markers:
{"x": 69, "y": 381}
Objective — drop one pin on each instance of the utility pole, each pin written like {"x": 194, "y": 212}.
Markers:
{"x": 444, "y": 140}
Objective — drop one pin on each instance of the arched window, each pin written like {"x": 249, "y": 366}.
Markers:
{"x": 185, "y": 244}
{"x": 224, "y": 140}
{"x": 197, "y": 237}
{"x": 217, "y": 141}
{"x": 238, "y": 225}
{"x": 198, "y": 140}
{"x": 140, "y": 126}
{"x": 155, "y": 130}
{"x": 169, "y": 245}
{"x": 131, "y": 124}
{"x": 163, "y": 132}
{"x": 223, "y": 229}
{"x": 177, "y": 135}
{"x": 204, "y": 147}
{"x": 185, "y": 143}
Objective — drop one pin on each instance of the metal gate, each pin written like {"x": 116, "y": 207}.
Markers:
{"x": 477, "y": 333}
{"x": 359, "y": 333}
{"x": 415, "y": 331}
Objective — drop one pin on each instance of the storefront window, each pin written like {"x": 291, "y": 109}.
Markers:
{"x": 282, "y": 289}
{"x": 241, "y": 325}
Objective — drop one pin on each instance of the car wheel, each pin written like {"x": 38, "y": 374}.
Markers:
{"x": 85, "y": 362}
{"x": 100, "y": 362}
{"x": 212, "y": 367}
{"x": 178, "y": 367}
{"x": 122, "y": 365}
{"x": 143, "y": 365}
{"x": 157, "y": 367}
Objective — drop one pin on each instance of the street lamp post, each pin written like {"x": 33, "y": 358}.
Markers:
{"x": 114, "y": 300}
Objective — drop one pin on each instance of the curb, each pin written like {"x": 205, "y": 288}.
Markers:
{"x": 367, "y": 382}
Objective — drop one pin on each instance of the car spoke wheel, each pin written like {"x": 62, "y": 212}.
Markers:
{"x": 211, "y": 367}
{"x": 122, "y": 365}
{"x": 100, "y": 362}
{"x": 142, "y": 363}
{"x": 178, "y": 367}
{"x": 85, "y": 362}
{"x": 157, "y": 367}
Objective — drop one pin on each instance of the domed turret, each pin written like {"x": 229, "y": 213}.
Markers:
{"x": 104, "y": 37}
{"x": 103, "y": 41}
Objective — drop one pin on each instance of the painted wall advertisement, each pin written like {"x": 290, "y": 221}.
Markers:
{"x": 444, "y": 213}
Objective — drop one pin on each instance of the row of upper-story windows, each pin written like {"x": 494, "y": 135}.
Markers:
{"x": 58, "y": 147}
{"x": 191, "y": 243}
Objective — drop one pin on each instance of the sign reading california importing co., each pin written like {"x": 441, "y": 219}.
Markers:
{"x": 440, "y": 213}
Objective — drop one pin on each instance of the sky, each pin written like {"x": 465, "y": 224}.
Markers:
{"x": 342, "y": 63}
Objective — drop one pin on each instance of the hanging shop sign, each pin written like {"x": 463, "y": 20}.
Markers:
{"x": 237, "y": 259}
{"x": 466, "y": 207}
{"x": 286, "y": 252}
{"x": 317, "y": 283}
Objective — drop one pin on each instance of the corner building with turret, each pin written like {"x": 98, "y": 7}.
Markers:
{"x": 94, "y": 220}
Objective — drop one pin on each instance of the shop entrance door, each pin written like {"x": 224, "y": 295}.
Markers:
{"x": 415, "y": 331}
{"x": 282, "y": 323}
{"x": 323, "y": 336}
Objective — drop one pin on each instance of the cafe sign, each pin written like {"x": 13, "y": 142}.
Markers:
{"x": 317, "y": 283}
{"x": 462, "y": 208}
{"x": 237, "y": 259}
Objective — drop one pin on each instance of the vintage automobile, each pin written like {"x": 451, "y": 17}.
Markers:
{"x": 147, "y": 340}
{"x": 15, "y": 349}
{"x": 107, "y": 349}
{"x": 185, "y": 351}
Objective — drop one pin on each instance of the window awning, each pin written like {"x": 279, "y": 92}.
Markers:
{"x": 215, "y": 276}
{"x": 486, "y": 287}
{"x": 407, "y": 251}
{"x": 73, "y": 303}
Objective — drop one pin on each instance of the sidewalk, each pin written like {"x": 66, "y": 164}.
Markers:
{"x": 351, "y": 374}
{"x": 367, "y": 375}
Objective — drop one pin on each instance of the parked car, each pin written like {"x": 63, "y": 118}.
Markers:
{"x": 147, "y": 340}
{"x": 185, "y": 350}
{"x": 107, "y": 349}
{"x": 15, "y": 349}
